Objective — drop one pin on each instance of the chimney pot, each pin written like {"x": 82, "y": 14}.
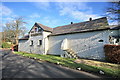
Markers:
{"x": 90, "y": 19}
{"x": 71, "y": 22}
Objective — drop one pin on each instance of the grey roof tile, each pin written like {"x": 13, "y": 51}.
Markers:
{"x": 96, "y": 24}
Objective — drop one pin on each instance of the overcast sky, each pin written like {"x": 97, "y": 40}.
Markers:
{"x": 52, "y": 14}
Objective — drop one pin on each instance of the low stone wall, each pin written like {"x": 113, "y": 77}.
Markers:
{"x": 112, "y": 53}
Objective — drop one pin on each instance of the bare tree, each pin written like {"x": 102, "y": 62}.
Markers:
{"x": 8, "y": 34}
{"x": 14, "y": 29}
{"x": 113, "y": 11}
{"x": 18, "y": 23}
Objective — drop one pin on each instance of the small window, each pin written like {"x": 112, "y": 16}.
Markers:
{"x": 31, "y": 42}
{"x": 39, "y": 29}
{"x": 117, "y": 40}
{"x": 110, "y": 38}
{"x": 101, "y": 40}
{"x": 40, "y": 42}
{"x": 35, "y": 29}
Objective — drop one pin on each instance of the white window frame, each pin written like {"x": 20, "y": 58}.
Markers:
{"x": 31, "y": 42}
{"x": 39, "y": 42}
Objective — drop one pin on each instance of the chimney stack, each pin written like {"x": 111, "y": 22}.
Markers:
{"x": 90, "y": 19}
{"x": 71, "y": 22}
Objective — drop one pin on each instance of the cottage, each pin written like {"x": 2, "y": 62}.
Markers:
{"x": 84, "y": 39}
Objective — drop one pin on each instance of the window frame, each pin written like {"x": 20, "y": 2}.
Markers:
{"x": 31, "y": 42}
{"x": 36, "y": 29}
{"x": 117, "y": 40}
{"x": 101, "y": 40}
{"x": 39, "y": 42}
{"x": 39, "y": 29}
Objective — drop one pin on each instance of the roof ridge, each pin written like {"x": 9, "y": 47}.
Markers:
{"x": 72, "y": 24}
{"x": 44, "y": 26}
{"x": 99, "y": 23}
{"x": 81, "y": 22}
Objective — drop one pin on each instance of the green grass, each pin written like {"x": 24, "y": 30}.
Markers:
{"x": 68, "y": 62}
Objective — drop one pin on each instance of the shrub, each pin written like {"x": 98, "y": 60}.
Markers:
{"x": 6, "y": 45}
{"x": 112, "y": 53}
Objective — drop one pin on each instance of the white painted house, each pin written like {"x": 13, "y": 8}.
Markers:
{"x": 83, "y": 40}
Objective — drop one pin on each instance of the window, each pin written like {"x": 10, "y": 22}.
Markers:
{"x": 35, "y": 29}
{"x": 101, "y": 40}
{"x": 39, "y": 29}
{"x": 40, "y": 42}
{"x": 117, "y": 40}
{"x": 31, "y": 42}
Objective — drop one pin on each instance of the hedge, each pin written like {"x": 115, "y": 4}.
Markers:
{"x": 112, "y": 53}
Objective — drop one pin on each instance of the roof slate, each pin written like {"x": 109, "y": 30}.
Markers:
{"x": 26, "y": 37}
{"x": 96, "y": 24}
{"x": 93, "y": 25}
{"x": 45, "y": 27}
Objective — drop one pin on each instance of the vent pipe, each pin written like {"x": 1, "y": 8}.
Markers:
{"x": 71, "y": 22}
{"x": 90, "y": 19}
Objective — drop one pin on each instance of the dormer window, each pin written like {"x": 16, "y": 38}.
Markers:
{"x": 39, "y": 29}
{"x": 35, "y": 29}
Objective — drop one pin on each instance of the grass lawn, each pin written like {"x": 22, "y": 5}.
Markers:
{"x": 86, "y": 65}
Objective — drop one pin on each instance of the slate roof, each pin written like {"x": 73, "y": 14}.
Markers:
{"x": 96, "y": 24}
{"x": 26, "y": 37}
{"x": 45, "y": 28}
{"x": 93, "y": 25}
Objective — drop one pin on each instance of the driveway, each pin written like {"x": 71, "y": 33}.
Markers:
{"x": 15, "y": 66}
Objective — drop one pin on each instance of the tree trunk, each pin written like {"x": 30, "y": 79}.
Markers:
{"x": 16, "y": 38}
{"x": 17, "y": 32}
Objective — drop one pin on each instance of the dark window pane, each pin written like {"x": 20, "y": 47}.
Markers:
{"x": 40, "y": 42}
{"x": 31, "y": 42}
{"x": 101, "y": 40}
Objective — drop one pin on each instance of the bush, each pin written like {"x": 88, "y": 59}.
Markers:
{"x": 112, "y": 53}
{"x": 6, "y": 45}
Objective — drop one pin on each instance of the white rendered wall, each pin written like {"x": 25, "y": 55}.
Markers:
{"x": 45, "y": 41}
{"x": 86, "y": 45}
{"x": 24, "y": 45}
